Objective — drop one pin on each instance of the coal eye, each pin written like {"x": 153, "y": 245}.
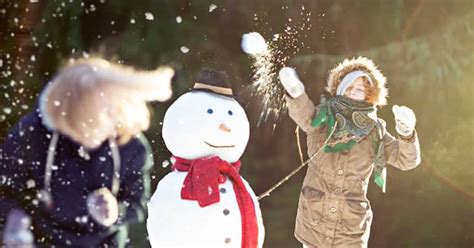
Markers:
{"x": 210, "y": 111}
{"x": 230, "y": 112}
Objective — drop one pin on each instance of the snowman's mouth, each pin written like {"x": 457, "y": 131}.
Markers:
{"x": 216, "y": 146}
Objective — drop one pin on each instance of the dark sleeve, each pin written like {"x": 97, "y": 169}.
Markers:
{"x": 13, "y": 169}
{"x": 135, "y": 186}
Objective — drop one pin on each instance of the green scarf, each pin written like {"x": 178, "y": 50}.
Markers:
{"x": 355, "y": 121}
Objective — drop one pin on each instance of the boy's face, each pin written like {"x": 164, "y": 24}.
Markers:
{"x": 356, "y": 90}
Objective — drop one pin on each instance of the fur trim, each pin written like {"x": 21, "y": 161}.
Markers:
{"x": 362, "y": 64}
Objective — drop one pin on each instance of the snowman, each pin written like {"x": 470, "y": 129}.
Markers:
{"x": 204, "y": 202}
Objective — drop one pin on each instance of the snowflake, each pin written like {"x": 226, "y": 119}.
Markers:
{"x": 209, "y": 190}
{"x": 165, "y": 164}
{"x": 184, "y": 49}
{"x": 149, "y": 16}
{"x": 7, "y": 111}
{"x": 212, "y": 7}
{"x": 30, "y": 183}
{"x": 92, "y": 8}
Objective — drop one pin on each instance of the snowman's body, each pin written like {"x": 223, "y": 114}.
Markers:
{"x": 183, "y": 223}
{"x": 198, "y": 125}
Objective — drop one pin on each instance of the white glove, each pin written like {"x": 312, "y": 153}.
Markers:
{"x": 17, "y": 230}
{"x": 405, "y": 120}
{"x": 103, "y": 207}
{"x": 290, "y": 81}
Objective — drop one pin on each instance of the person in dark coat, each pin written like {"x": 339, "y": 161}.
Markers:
{"x": 75, "y": 171}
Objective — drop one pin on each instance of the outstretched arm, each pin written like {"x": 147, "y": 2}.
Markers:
{"x": 302, "y": 111}
{"x": 300, "y": 108}
{"x": 403, "y": 152}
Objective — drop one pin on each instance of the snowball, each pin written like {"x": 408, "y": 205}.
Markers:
{"x": 253, "y": 43}
{"x": 179, "y": 19}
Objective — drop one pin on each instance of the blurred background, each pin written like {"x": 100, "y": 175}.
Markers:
{"x": 424, "y": 47}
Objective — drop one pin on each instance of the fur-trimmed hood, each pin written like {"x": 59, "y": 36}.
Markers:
{"x": 360, "y": 64}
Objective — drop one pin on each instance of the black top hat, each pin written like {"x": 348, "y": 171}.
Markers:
{"x": 213, "y": 81}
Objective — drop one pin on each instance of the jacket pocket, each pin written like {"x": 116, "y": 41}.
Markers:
{"x": 356, "y": 217}
{"x": 311, "y": 205}
{"x": 312, "y": 194}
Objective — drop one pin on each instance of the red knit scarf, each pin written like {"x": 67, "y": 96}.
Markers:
{"x": 202, "y": 184}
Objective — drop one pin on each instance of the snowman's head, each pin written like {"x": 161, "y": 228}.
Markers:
{"x": 200, "y": 124}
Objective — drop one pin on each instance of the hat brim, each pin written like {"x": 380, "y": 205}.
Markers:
{"x": 213, "y": 89}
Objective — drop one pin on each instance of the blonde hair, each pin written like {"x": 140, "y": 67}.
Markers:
{"x": 370, "y": 92}
{"x": 90, "y": 100}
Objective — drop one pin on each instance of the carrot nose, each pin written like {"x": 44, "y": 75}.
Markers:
{"x": 224, "y": 128}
